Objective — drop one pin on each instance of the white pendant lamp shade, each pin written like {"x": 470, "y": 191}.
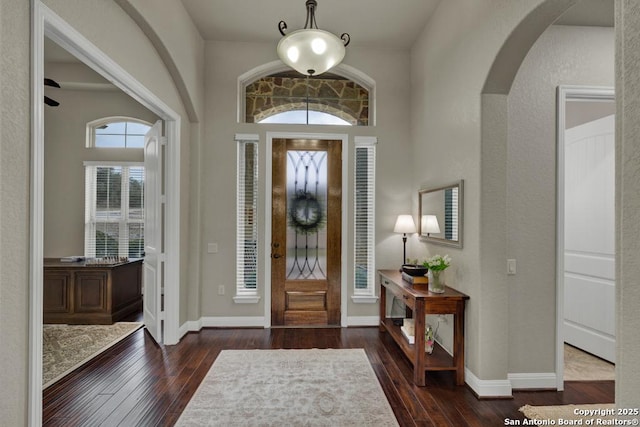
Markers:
{"x": 311, "y": 51}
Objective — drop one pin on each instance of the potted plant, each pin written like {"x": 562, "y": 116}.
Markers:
{"x": 436, "y": 265}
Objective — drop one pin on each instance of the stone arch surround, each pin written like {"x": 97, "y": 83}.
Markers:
{"x": 329, "y": 93}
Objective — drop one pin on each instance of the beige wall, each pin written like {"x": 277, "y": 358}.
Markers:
{"x": 627, "y": 203}
{"x": 450, "y": 63}
{"x": 225, "y": 63}
{"x": 14, "y": 210}
{"x": 65, "y": 151}
{"x": 563, "y": 55}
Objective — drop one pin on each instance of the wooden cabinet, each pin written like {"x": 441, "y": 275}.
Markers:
{"x": 421, "y": 302}
{"x": 78, "y": 293}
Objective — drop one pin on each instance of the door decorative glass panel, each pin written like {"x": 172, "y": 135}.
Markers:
{"x": 306, "y": 215}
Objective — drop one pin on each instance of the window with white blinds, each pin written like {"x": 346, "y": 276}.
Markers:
{"x": 114, "y": 209}
{"x": 247, "y": 220}
{"x": 364, "y": 211}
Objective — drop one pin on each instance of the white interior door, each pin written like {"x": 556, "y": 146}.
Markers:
{"x": 589, "y": 257}
{"x": 152, "y": 272}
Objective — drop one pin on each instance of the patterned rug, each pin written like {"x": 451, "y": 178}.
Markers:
{"x": 289, "y": 388}
{"x": 67, "y": 347}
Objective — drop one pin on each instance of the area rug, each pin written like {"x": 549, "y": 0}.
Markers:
{"x": 581, "y": 366}
{"x": 67, "y": 347}
{"x": 567, "y": 413}
{"x": 289, "y": 388}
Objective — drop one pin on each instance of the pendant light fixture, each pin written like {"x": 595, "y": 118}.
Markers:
{"x": 311, "y": 51}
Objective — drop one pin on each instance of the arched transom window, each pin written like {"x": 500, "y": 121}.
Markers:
{"x": 117, "y": 132}
{"x": 289, "y": 97}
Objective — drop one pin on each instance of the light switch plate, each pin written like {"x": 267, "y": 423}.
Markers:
{"x": 212, "y": 248}
{"x": 511, "y": 267}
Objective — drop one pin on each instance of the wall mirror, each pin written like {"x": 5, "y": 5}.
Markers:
{"x": 440, "y": 214}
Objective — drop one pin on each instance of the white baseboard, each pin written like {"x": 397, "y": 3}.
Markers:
{"x": 232, "y": 322}
{"x": 488, "y": 388}
{"x": 221, "y": 322}
{"x": 363, "y": 320}
{"x": 543, "y": 380}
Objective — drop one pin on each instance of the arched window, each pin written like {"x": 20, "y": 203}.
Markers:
{"x": 289, "y": 97}
{"x": 117, "y": 132}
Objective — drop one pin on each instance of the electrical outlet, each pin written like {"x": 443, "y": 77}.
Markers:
{"x": 221, "y": 290}
{"x": 511, "y": 267}
{"x": 212, "y": 248}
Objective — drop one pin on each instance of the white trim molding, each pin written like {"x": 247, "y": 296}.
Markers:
{"x": 566, "y": 93}
{"x": 537, "y": 381}
{"x": 246, "y": 299}
{"x": 364, "y": 299}
{"x": 232, "y": 322}
{"x": 363, "y": 320}
{"x": 488, "y": 388}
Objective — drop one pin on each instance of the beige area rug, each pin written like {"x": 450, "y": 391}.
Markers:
{"x": 580, "y": 413}
{"x": 67, "y": 347}
{"x": 289, "y": 388}
{"x": 582, "y": 366}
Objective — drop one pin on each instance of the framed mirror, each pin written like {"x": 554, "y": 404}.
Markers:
{"x": 440, "y": 214}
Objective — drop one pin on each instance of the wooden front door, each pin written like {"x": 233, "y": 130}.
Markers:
{"x": 306, "y": 232}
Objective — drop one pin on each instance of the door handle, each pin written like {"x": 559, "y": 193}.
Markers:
{"x": 276, "y": 256}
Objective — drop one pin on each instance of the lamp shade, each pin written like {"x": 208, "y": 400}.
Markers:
{"x": 311, "y": 51}
{"x": 430, "y": 224}
{"x": 405, "y": 224}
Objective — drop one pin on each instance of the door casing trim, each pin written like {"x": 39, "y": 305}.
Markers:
{"x": 564, "y": 93}
{"x": 45, "y": 22}
{"x": 267, "y": 217}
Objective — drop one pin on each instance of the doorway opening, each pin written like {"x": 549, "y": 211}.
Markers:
{"x": 585, "y": 236}
{"x": 48, "y": 24}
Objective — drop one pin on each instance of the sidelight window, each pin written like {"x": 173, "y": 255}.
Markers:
{"x": 247, "y": 220}
{"x": 364, "y": 212}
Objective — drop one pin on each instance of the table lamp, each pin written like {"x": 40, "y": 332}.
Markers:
{"x": 404, "y": 225}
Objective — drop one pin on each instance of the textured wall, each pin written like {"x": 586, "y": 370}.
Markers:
{"x": 627, "y": 202}
{"x": 450, "y": 63}
{"x": 563, "y": 55}
{"x": 14, "y": 210}
{"x": 181, "y": 48}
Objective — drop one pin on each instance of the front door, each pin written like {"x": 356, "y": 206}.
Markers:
{"x": 306, "y": 232}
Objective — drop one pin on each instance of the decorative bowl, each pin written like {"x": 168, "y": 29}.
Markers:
{"x": 414, "y": 270}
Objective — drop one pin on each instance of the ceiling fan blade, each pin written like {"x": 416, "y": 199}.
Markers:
{"x": 50, "y": 82}
{"x": 50, "y": 102}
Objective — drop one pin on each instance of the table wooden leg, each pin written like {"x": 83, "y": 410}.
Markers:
{"x": 458, "y": 343}
{"x": 383, "y": 306}
{"x": 419, "y": 365}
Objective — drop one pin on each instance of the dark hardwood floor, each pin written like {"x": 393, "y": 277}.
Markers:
{"x": 138, "y": 383}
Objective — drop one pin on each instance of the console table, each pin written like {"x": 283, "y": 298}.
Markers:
{"x": 81, "y": 293}
{"x": 420, "y": 302}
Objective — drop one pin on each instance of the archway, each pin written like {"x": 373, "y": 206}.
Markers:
{"x": 495, "y": 202}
